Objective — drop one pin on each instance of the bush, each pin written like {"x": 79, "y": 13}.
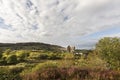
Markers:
{"x": 0, "y": 55}
{"x": 109, "y": 50}
{"x": 43, "y": 56}
{"x": 22, "y": 55}
{"x": 34, "y": 55}
{"x": 10, "y": 74}
{"x": 1, "y": 52}
{"x": 49, "y": 64}
{"x": 38, "y": 56}
{"x": 6, "y": 53}
{"x": 3, "y": 62}
{"x": 71, "y": 73}
{"x": 54, "y": 56}
{"x": 12, "y": 59}
{"x": 69, "y": 56}
{"x": 15, "y": 70}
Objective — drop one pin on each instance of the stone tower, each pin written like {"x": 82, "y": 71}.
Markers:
{"x": 70, "y": 49}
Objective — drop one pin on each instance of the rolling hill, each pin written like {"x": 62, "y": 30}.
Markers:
{"x": 30, "y": 46}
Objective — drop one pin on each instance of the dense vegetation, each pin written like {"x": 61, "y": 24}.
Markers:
{"x": 109, "y": 50}
{"x": 49, "y": 64}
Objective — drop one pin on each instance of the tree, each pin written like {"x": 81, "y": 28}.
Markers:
{"x": 109, "y": 50}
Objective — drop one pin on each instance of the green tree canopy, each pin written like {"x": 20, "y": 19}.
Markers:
{"x": 109, "y": 49}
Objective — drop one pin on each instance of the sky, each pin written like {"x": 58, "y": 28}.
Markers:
{"x": 62, "y": 22}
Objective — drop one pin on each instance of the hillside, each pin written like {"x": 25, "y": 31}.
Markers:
{"x": 30, "y": 46}
{"x": 35, "y": 61}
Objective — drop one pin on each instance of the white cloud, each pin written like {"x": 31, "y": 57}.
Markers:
{"x": 56, "y": 21}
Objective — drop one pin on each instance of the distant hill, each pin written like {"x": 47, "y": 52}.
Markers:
{"x": 30, "y": 46}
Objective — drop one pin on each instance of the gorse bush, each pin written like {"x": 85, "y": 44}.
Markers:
{"x": 11, "y": 59}
{"x": 55, "y": 56}
{"x": 22, "y": 55}
{"x": 34, "y": 55}
{"x": 6, "y": 53}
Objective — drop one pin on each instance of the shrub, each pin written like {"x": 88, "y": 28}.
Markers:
{"x": 45, "y": 65}
{"x": 71, "y": 73}
{"x": 15, "y": 70}
{"x": 1, "y": 52}
{"x": 22, "y": 55}
{"x": 43, "y": 56}
{"x": 69, "y": 56}
{"x": 6, "y": 53}
{"x": 38, "y": 56}
{"x": 54, "y": 56}
{"x": 9, "y": 74}
{"x": 12, "y": 59}
{"x": 3, "y": 62}
{"x": 0, "y": 55}
{"x": 34, "y": 55}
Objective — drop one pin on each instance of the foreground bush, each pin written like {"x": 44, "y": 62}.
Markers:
{"x": 7, "y": 73}
{"x": 109, "y": 50}
{"x": 72, "y": 73}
